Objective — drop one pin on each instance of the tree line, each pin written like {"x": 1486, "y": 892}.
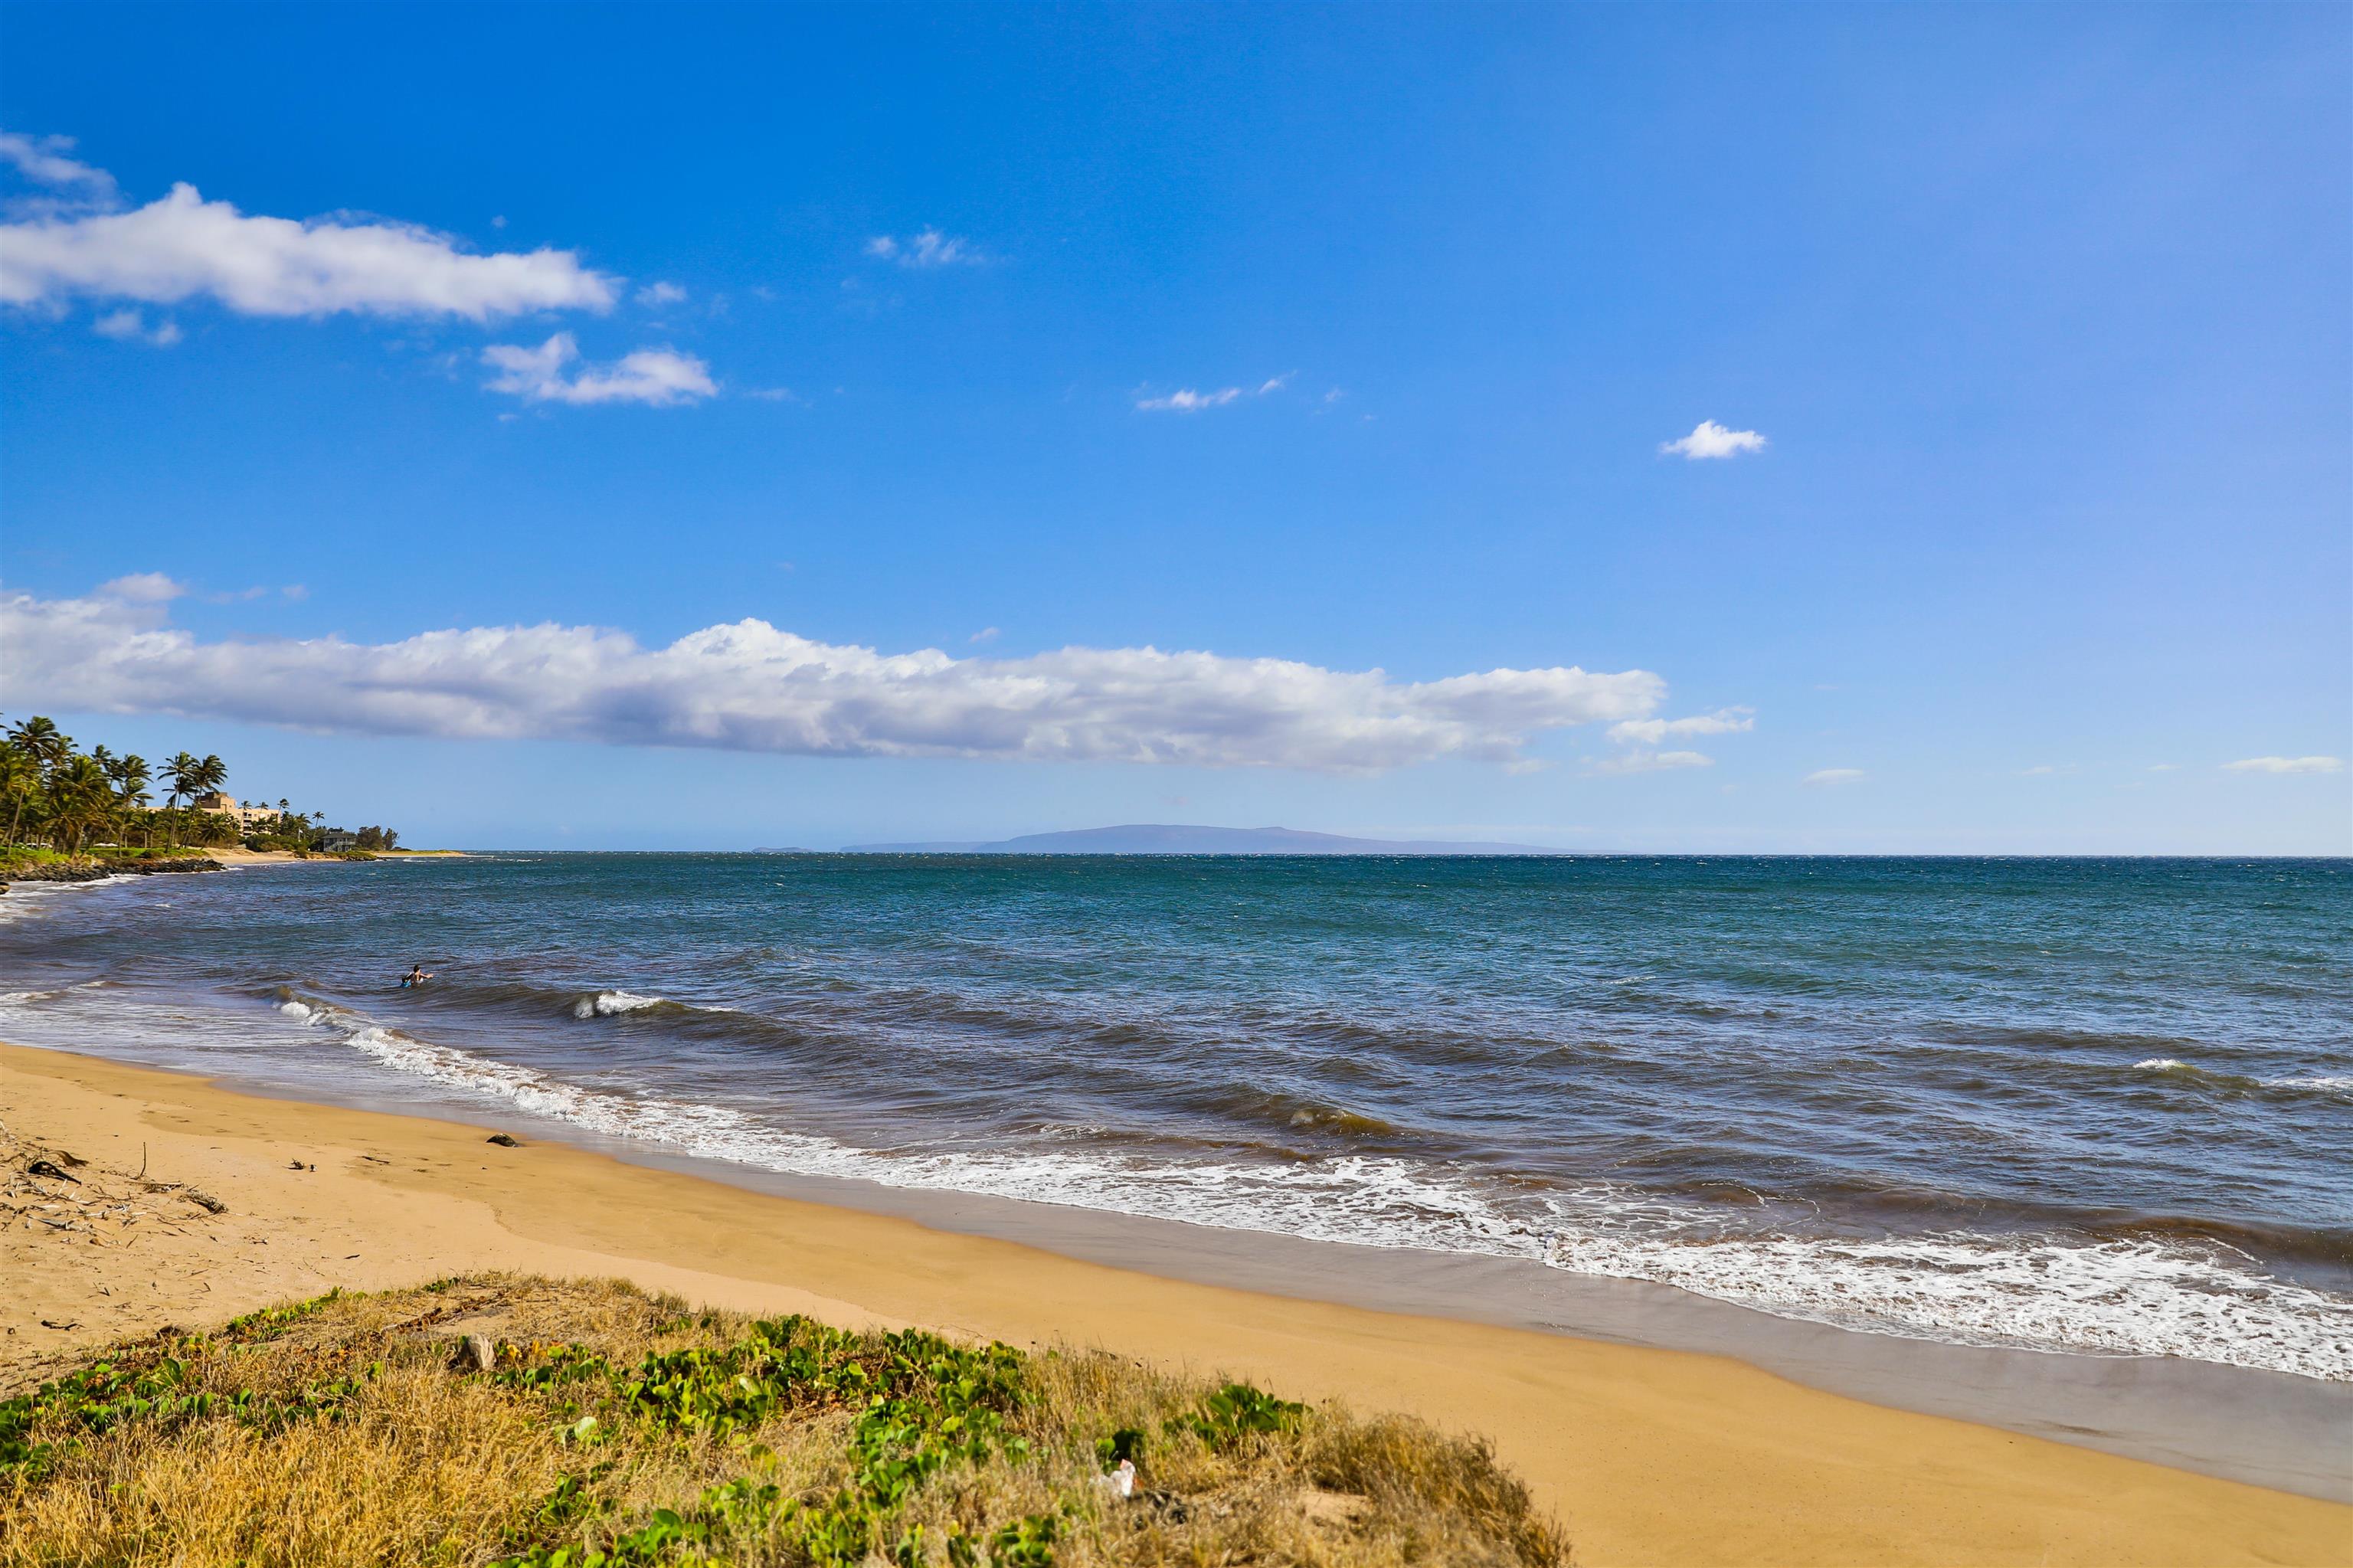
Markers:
{"x": 76, "y": 801}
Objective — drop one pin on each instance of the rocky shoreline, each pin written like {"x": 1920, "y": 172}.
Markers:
{"x": 99, "y": 872}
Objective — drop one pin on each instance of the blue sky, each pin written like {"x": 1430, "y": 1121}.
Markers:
{"x": 569, "y": 318}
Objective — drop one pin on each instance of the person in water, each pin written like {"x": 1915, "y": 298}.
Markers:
{"x": 416, "y": 975}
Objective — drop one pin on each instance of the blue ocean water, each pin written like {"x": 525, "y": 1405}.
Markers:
{"x": 2093, "y": 1105}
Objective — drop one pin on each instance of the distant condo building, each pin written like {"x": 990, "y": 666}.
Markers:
{"x": 227, "y": 806}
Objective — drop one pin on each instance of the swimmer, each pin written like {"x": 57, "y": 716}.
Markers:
{"x": 416, "y": 975}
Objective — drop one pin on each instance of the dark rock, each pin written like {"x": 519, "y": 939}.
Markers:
{"x": 503, "y": 1141}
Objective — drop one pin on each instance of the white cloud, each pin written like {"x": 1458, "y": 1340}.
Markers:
{"x": 43, "y": 160}
{"x": 1643, "y": 761}
{"x": 1186, "y": 401}
{"x": 1650, "y": 732}
{"x": 985, "y": 634}
{"x": 749, "y": 686}
{"x": 1835, "y": 776}
{"x": 661, "y": 377}
{"x": 2286, "y": 764}
{"x": 295, "y": 591}
{"x": 2164, "y": 767}
{"x": 655, "y": 295}
{"x": 928, "y": 249}
{"x": 1710, "y": 440}
{"x": 142, "y": 587}
{"x": 125, "y": 324}
{"x": 182, "y": 247}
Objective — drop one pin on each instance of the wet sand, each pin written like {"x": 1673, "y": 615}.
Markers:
{"x": 1647, "y": 1454}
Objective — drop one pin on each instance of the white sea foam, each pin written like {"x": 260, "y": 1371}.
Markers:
{"x": 2116, "y": 1298}
{"x": 608, "y": 1003}
{"x": 2142, "y": 1297}
{"x": 2160, "y": 1065}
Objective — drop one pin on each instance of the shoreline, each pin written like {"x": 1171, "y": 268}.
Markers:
{"x": 1648, "y": 1455}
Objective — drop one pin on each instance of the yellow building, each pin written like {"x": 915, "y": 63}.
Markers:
{"x": 227, "y": 806}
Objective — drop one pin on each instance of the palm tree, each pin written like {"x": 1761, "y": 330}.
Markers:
{"x": 185, "y": 776}
{"x": 20, "y": 780}
{"x": 130, "y": 780}
{"x": 41, "y": 739}
{"x": 81, "y": 799}
{"x": 216, "y": 774}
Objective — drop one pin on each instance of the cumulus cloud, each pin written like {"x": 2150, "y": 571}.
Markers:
{"x": 1710, "y": 440}
{"x": 749, "y": 686}
{"x": 928, "y": 249}
{"x": 1835, "y": 776}
{"x": 182, "y": 246}
{"x": 2286, "y": 764}
{"x": 661, "y": 377}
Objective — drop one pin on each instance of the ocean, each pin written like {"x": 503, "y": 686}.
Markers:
{"x": 2099, "y": 1105}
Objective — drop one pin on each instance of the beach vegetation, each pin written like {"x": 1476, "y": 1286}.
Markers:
{"x": 534, "y": 1424}
{"x": 97, "y": 803}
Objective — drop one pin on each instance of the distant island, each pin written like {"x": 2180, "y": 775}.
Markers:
{"x": 1165, "y": 838}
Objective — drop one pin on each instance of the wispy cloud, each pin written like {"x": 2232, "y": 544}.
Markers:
{"x": 1710, "y": 440}
{"x": 985, "y": 634}
{"x": 660, "y": 376}
{"x": 182, "y": 246}
{"x": 1644, "y": 735}
{"x": 44, "y": 161}
{"x": 1645, "y": 761}
{"x": 749, "y": 686}
{"x": 124, "y": 326}
{"x": 2286, "y": 764}
{"x": 1650, "y": 732}
{"x": 142, "y": 587}
{"x": 1186, "y": 401}
{"x": 656, "y": 295}
{"x": 1827, "y": 776}
{"x": 927, "y": 247}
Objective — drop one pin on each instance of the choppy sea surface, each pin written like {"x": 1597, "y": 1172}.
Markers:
{"x": 2103, "y": 1105}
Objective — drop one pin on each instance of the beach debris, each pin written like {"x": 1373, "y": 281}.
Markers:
{"x": 205, "y": 1200}
{"x": 505, "y": 1140}
{"x": 1120, "y": 1482}
{"x": 477, "y": 1353}
{"x": 49, "y": 1169}
{"x": 60, "y": 1327}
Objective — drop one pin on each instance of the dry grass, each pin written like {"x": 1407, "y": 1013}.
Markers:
{"x": 353, "y": 1431}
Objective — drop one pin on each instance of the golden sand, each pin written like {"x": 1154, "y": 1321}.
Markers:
{"x": 1648, "y": 1456}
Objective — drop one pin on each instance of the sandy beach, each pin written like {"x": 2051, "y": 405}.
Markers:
{"x": 1647, "y": 1456}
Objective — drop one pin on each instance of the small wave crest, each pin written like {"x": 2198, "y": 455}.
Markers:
{"x": 613, "y": 1004}
{"x": 2239, "y": 1083}
{"x": 2135, "y": 1296}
